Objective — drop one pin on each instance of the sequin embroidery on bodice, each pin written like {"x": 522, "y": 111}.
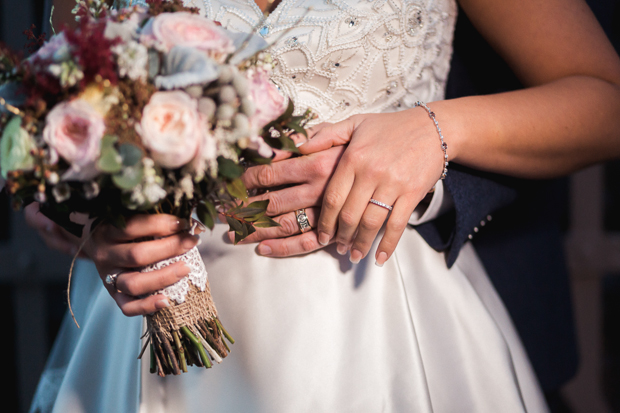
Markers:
{"x": 341, "y": 58}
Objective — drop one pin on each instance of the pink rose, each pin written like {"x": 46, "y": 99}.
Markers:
{"x": 171, "y": 128}
{"x": 73, "y": 131}
{"x": 269, "y": 102}
{"x": 188, "y": 30}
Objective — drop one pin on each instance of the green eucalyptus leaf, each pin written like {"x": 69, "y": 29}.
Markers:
{"x": 235, "y": 225}
{"x": 110, "y": 160}
{"x": 260, "y": 204}
{"x": 128, "y": 178}
{"x": 205, "y": 216}
{"x": 130, "y": 154}
{"x": 211, "y": 208}
{"x": 237, "y": 189}
{"x": 265, "y": 222}
{"x": 228, "y": 168}
{"x": 250, "y": 212}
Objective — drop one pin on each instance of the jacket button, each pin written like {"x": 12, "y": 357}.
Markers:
{"x": 476, "y": 229}
{"x": 470, "y": 236}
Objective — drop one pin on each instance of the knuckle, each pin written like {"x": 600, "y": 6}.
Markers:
{"x": 265, "y": 176}
{"x": 372, "y": 223}
{"x": 308, "y": 245}
{"x": 347, "y": 218}
{"x": 130, "y": 285}
{"x": 397, "y": 224}
{"x": 289, "y": 225}
{"x": 275, "y": 204}
{"x": 135, "y": 256}
{"x": 332, "y": 200}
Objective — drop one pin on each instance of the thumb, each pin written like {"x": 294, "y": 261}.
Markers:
{"x": 329, "y": 136}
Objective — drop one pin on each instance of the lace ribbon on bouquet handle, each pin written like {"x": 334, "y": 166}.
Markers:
{"x": 197, "y": 275}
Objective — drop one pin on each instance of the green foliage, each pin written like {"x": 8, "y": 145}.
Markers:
{"x": 228, "y": 168}
{"x": 129, "y": 177}
{"x": 110, "y": 161}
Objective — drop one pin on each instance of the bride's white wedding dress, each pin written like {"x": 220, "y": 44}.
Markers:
{"x": 317, "y": 333}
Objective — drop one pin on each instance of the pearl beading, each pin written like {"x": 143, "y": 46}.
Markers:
{"x": 346, "y": 57}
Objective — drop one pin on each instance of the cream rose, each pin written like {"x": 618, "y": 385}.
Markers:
{"x": 171, "y": 128}
{"x": 73, "y": 131}
{"x": 189, "y": 30}
{"x": 269, "y": 102}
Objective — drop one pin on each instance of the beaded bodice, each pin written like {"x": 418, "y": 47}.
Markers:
{"x": 344, "y": 57}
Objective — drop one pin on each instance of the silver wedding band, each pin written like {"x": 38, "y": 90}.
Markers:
{"x": 302, "y": 220}
{"x": 381, "y": 204}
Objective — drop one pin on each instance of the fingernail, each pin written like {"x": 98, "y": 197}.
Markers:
{"x": 263, "y": 249}
{"x": 162, "y": 304}
{"x": 381, "y": 259}
{"x": 342, "y": 249}
{"x": 190, "y": 242}
{"x": 180, "y": 225}
{"x": 323, "y": 238}
{"x": 297, "y": 145}
{"x": 355, "y": 256}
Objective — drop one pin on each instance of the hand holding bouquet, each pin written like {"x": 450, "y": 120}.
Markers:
{"x": 145, "y": 111}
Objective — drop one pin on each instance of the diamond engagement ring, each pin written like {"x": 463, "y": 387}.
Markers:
{"x": 302, "y": 220}
{"x": 381, "y": 204}
{"x": 110, "y": 279}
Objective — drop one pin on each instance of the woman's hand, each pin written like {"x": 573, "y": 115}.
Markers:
{"x": 394, "y": 158}
{"x": 120, "y": 251}
{"x": 304, "y": 179}
{"x": 54, "y": 236}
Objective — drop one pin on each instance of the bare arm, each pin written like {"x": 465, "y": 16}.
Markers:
{"x": 567, "y": 118}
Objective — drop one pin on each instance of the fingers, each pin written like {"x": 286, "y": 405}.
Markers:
{"x": 136, "y": 283}
{"x": 350, "y": 216}
{"x": 335, "y": 196}
{"x": 289, "y": 199}
{"x": 289, "y": 171}
{"x": 144, "y": 225}
{"x": 395, "y": 227}
{"x": 325, "y": 136}
{"x": 288, "y": 227}
{"x": 139, "y": 254}
{"x": 131, "y": 306}
{"x": 287, "y": 247}
{"x": 370, "y": 224}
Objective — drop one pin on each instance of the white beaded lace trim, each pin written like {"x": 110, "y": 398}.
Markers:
{"x": 197, "y": 275}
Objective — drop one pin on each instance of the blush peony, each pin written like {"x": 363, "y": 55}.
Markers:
{"x": 171, "y": 128}
{"x": 189, "y": 30}
{"x": 269, "y": 102}
{"x": 73, "y": 131}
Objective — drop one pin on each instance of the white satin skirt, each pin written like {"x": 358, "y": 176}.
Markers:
{"x": 313, "y": 334}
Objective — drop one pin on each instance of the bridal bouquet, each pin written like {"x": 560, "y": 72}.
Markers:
{"x": 146, "y": 110}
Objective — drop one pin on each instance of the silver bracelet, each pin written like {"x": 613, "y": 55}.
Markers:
{"x": 444, "y": 146}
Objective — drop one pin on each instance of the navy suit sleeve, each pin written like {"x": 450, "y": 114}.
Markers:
{"x": 476, "y": 197}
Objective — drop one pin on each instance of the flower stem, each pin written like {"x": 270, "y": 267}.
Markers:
{"x": 171, "y": 356}
{"x": 228, "y": 337}
{"x": 203, "y": 355}
{"x": 181, "y": 351}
